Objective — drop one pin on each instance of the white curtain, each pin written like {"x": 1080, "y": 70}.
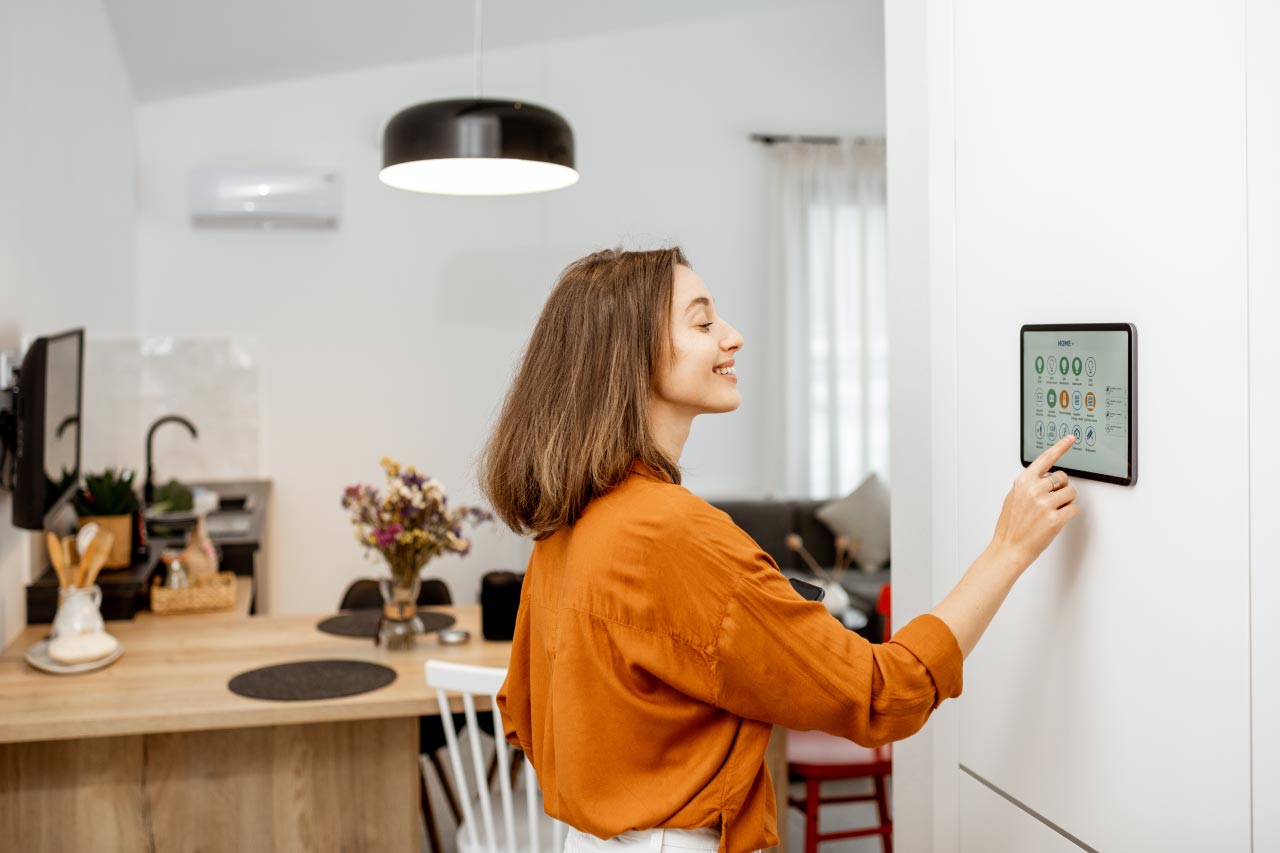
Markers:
{"x": 828, "y": 316}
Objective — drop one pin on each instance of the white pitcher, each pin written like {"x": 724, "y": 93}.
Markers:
{"x": 78, "y": 611}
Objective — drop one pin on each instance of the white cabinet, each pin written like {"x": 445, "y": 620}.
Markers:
{"x": 991, "y": 824}
{"x": 1112, "y": 162}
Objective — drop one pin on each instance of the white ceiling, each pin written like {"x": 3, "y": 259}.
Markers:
{"x": 179, "y": 47}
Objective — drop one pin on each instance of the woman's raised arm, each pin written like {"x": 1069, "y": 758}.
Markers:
{"x": 1037, "y": 508}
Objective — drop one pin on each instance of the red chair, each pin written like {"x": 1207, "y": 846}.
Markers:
{"x": 817, "y": 757}
{"x": 882, "y": 607}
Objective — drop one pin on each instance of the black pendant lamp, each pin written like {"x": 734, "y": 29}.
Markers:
{"x": 477, "y": 146}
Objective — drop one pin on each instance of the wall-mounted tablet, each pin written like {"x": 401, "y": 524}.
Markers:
{"x": 1082, "y": 379}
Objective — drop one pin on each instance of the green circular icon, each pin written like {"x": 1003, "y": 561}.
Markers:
{"x": 1077, "y": 365}
{"x": 1053, "y": 399}
{"x": 1039, "y": 364}
{"x": 1062, "y": 365}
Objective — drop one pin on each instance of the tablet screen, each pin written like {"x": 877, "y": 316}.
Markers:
{"x": 1079, "y": 379}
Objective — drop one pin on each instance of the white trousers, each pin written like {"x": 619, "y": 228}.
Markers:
{"x": 644, "y": 841}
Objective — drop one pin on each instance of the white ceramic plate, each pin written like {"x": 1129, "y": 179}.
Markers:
{"x": 38, "y": 656}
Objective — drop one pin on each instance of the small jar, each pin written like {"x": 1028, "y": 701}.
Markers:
{"x": 175, "y": 574}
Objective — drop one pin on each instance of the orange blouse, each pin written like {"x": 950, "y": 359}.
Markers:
{"x": 655, "y": 648}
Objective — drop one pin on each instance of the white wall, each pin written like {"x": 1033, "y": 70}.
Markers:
{"x": 1263, "y": 67}
{"x": 1098, "y": 171}
{"x": 66, "y": 205}
{"x": 398, "y": 332}
{"x": 920, "y": 107}
{"x": 14, "y": 553}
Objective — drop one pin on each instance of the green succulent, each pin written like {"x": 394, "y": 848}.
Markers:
{"x": 108, "y": 493}
{"x": 173, "y": 497}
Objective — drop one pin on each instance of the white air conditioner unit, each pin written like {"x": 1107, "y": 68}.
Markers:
{"x": 223, "y": 198}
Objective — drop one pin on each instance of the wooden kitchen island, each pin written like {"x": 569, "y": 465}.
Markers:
{"x": 155, "y": 753}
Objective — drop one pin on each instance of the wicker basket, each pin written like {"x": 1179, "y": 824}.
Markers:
{"x": 204, "y": 595}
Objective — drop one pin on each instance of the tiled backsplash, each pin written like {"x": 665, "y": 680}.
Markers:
{"x": 129, "y": 382}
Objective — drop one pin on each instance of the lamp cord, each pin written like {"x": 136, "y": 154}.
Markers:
{"x": 479, "y": 31}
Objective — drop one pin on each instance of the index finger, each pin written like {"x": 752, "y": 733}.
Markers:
{"x": 1045, "y": 460}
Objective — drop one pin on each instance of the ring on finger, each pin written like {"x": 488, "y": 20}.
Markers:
{"x": 1052, "y": 476}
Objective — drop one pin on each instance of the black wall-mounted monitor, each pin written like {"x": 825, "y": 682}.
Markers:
{"x": 50, "y": 391}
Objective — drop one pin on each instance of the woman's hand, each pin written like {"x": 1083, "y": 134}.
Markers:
{"x": 1034, "y": 513}
{"x": 1036, "y": 509}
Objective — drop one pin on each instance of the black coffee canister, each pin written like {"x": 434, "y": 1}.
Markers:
{"x": 499, "y": 601}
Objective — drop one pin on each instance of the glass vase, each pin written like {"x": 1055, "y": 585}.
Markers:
{"x": 399, "y": 627}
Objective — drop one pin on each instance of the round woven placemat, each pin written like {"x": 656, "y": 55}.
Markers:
{"x": 312, "y": 679}
{"x": 364, "y": 623}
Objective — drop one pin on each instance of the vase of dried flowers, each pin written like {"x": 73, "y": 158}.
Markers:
{"x": 408, "y": 524}
{"x": 399, "y": 626}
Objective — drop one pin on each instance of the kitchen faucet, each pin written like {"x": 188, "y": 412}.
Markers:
{"x": 148, "y": 488}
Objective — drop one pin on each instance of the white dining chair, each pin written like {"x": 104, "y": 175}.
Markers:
{"x": 530, "y": 832}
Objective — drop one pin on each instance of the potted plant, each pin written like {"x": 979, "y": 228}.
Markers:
{"x": 108, "y": 500}
{"x": 408, "y": 524}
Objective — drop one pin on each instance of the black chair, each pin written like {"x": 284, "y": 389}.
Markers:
{"x": 365, "y": 595}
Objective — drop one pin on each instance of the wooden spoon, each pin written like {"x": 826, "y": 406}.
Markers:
{"x": 56, "y": 557}
{"x": 87, "y": 557}
{"x": 96, "y": 558}
{"x": 72, "y": 567}
{"x": 82, "y": 565}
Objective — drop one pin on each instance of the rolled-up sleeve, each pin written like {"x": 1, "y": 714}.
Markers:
{"x": 781, "y": 659}
{"x": 512, "y": 714}
{"x": 516, "y": 694}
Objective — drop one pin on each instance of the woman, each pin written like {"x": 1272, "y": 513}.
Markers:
{"x": 656, "y": 644}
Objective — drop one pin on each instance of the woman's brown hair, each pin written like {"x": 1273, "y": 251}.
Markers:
{"x": 577, "y": 415}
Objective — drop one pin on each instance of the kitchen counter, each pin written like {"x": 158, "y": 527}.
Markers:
{"x": 239, "y": 520}
{"x": 237, "y": 528}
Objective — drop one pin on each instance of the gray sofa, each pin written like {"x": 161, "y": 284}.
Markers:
{"x": 770, "y": 522}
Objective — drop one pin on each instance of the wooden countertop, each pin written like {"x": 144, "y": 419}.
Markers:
{"x": 257, "y": 493}
{"x": 174, "y": 672}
